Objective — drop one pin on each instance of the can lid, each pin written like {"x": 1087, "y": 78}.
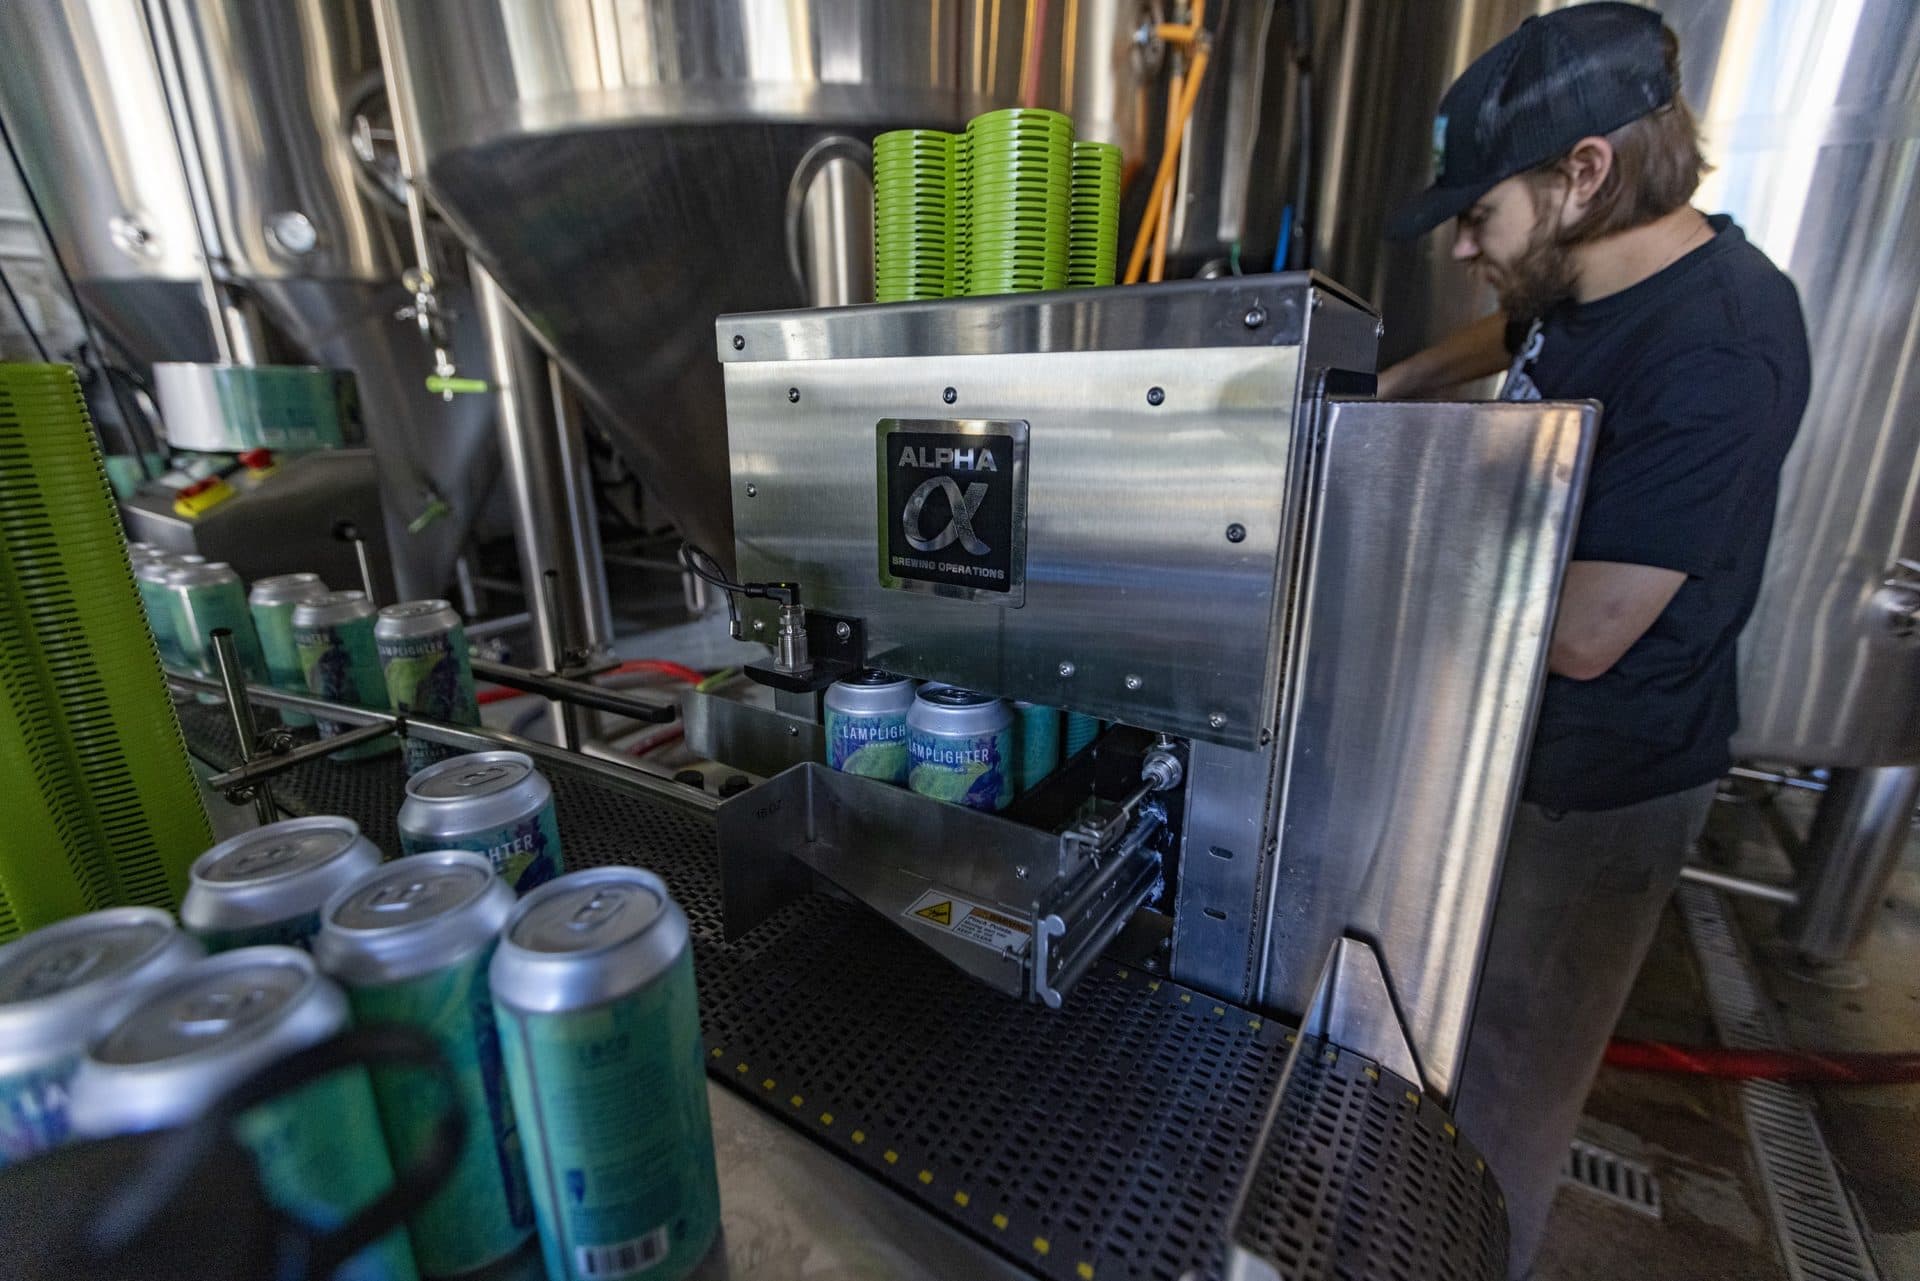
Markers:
{"x": 588, "y": 937}
{"x": 187, "y": 573}
{"x": 327, "y": 608}
{"x": 953, "y": 696}
{"x": 412, "y": 916}
{"x": 872, "y": 678}
{"x": 233, "y": 997}
{"x": 414, "y": 608}
{"x": 79, "y": 952}
{"x": 282, "y": 589}
{"x": 278, "y": 850}
{"x": 154, "y": 567}
{"x": 463, "y": 777}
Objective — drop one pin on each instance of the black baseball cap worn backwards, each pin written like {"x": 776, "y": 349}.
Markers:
{"x": 1563, "y": 76}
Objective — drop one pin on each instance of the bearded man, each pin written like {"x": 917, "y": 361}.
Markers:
{"x": 1567, "y": 159}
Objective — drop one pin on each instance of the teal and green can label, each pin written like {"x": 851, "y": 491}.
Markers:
{"x": 33, "y": 1109}
{"x": 613, "y": 1106}
{"x": 525, "y": 852}
{"x": 975, "y": 770}
{"x": 341, "y": 664}
{"x": 322, "y": 1157}
{"x": 484, "y": 1210}
{"x": 157, "y": 601}
{"x": 200, "y": 609}
{"x": 430, "y": 677}
{"x": 872, "y": 745}
{"x": 273, "y": 624}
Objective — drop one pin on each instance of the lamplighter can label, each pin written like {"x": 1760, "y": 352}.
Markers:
{"x": 525, "y": 852}
{"x": 431, "y": 678}
{"x": 623, "y": 1166}
{"x": 484, "y": 1210}
{"x": 975, "y": 770}
{"x": 33, "y": 1109}
{"x": 333, "y": 634}
{"x": 871, "y": 746}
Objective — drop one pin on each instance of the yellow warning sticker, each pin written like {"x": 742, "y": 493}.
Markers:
{"x": 974, "y": 922}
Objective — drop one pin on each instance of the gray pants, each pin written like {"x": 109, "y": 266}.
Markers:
{"x": 1580, "y": 898}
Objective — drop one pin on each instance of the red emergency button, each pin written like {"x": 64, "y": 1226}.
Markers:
{"x": 257, "y": 460}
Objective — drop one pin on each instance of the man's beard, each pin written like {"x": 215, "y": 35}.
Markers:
{"x": 1541, "y": 278}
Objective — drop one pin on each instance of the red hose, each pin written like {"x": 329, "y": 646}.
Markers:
{"x": 671, "y": 734}
{"x": 678, "y": 671}
{"x": 1804, "y": 1066}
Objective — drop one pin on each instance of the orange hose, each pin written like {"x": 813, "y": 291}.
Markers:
{"x": 1163, "y": 217}
{"x": 1169, "y": 161}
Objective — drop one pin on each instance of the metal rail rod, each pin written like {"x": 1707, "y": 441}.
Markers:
{"x": 1777, "y": 779}
{"x": 1785, "y": 895}
{"x": 652, "y": 787}
{"x": 233, "y": 685}
{"x": 495, "y": 626}
{"x": 578, "y": 693}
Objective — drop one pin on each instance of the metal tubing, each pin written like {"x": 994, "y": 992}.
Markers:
{"x": 1777, "y": 779}
{"x": 254, "y": 772}
{"x": 233, "y": 685}
{"x": 1859, "y": 833}
{"x": 494, "y": 626}
{"x": 1785, "y": 895}
{"x": 467, "y": 738}
{"x": 578, "y": 693}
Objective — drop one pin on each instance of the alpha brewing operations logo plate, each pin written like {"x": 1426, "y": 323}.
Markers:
{"x": 953, "y": 507}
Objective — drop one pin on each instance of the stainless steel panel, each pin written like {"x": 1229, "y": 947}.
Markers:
{"x": 1130, "y": 571}
{"x": 1353, "y": 1008}
{"x": 1226, "y": 856}
{"x": 741, "y": 727}
{"x": 623, "y": 168}
{"x": 1442, "y": 535}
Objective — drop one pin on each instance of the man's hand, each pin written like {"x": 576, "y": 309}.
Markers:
{"x": 1606, "y": 606}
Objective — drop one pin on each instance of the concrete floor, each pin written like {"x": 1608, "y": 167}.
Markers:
{"x": 1691, "y": 1131}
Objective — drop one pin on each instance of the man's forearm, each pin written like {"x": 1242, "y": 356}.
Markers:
{"x": 1478, "y": 350}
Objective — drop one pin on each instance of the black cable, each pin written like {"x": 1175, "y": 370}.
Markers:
{"x": 20, "y": 309}
{"x": 1300, "y": 251}
{"x": 127, "y": 420}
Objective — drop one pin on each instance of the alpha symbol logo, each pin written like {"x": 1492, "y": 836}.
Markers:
{"x": 960, "y": 507}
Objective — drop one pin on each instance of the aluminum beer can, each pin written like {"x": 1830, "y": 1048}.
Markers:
{"x": 1081, "y": 730}
{"x": 594, "y": 992}
{"x": 59, "y": 987}
{"x": 207, "y": 596}
{"x": 494, "y": 803}
{"x": 333, "y": 634}
{"x": 150, "y": 578}
{"x": 268, "y": 885}
{"x": 866, "y": 716}
{"x": 410, "y": 942}
{"x": 961, "y": 748}
{"x": 196, "y": 1034}
{"x": 271, "y": 603}
{"x": 423, "y": 651}
{"x": 1039, "y": 753}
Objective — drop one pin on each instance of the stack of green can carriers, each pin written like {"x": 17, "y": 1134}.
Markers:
{"x": 102, "y": 807}
{"x": 1094, "y": 246}
{"x": 913, "y": 240}
{"x": 1012, "y": 205}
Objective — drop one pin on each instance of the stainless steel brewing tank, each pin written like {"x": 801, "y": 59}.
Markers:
{"x": 1807, "y": 114}
{"x": 264, "y": 97}
{"x": 624, "y": 170}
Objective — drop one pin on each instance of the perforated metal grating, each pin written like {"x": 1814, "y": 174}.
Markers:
{"x": 1108, "y": 1139}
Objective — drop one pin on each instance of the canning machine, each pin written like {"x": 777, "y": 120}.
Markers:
{"x": 1316, "y": 625}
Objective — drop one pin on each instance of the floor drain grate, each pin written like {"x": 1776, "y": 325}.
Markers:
{"x": 1619, "y": 1179}
{"x": 1820, "y": 1238}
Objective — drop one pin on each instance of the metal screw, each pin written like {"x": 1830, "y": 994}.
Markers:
{"x": 759, "y": 624}
{"x": 1256, "y": 316}
{"x": 949, "y": 395}
{"x": 1066, "y": 669}
{"x": 753, "y": 491}
{"x": 793, "y": 731}
{"x": 1379, "y": 329}
{"x": 1236, "y": 533}
{"x": 843, "y": 631}
{"x": 1133, "y": 682}
{"x": 739, "y": 342}
{"x": 1216, "y": 720}
{"x": 1266, "y": 736}
{"x": 793, "y": 395}
{"x": 1155, "y": 395}
{"x": 1020, "y": 871}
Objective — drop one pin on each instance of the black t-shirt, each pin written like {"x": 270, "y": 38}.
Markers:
{"x": 1702, "y": 372}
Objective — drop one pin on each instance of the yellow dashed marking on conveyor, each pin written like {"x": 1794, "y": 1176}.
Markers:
{"x": 1373, "y": 1074}
{"x": 1186, "y": 998}
{"x": 1084, "y": 1272}
{"x": 926, "y": 1176}
{"x": 767, "y": 1084}
{"x": 859, "y": 1136}
{"x": 826, "y": 1118}
{"x": 1153, "y": 986}
{"x": 960, "y": 1199}
{"x": 1332, "y": 1056}
{"x": 739, "y": 1067}
{"x": 1453, "y": 1131}
{"x": 1413, "y": 1098}
{"x": 796, "y": 1100}
{"x": 1125, "y": 973}
{"x": 1219, "y": 1009}
{"x": 1254, "y": 1024}
{"x": 1000, "y": 1222}
{"x": 1042, "y": 1246}
{"x": 718, "y": 1051}
{"x": 893, "y": 1158}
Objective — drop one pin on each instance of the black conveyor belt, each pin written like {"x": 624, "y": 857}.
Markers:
{"x": 1107, "y": 1139}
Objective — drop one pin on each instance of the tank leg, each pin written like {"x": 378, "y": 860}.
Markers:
{"x": 1859, "y": 833}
